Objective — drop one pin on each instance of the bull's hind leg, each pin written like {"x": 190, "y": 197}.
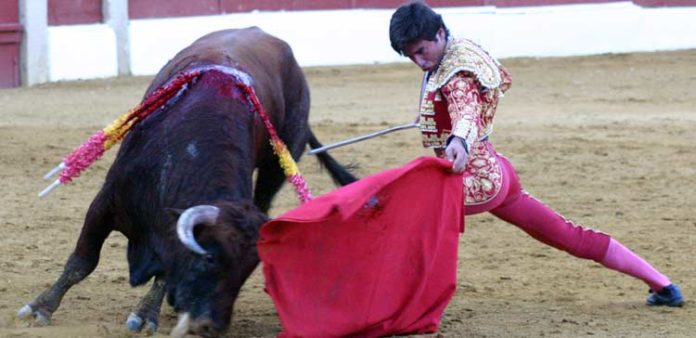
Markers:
{"x": 80, "y": 264}
{"x": 146, "y": 317}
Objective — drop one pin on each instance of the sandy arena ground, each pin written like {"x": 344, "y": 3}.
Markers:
{"x": 608, "y": 141}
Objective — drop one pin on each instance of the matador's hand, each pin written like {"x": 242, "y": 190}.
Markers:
{"x": 456, "y": 152}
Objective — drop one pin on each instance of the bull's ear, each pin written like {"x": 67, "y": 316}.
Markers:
{"x": 255, "y": 219}
{"x": 253, "y": 215}
{"x": 173, "y": 212}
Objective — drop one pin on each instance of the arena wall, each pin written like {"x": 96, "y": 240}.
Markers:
{"x": 339, "y": 32}
{"x": 10, "y": 38}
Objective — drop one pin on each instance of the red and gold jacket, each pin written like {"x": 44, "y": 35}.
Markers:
{"x": 460, "y": 99}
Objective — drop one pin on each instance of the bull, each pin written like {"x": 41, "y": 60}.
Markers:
{"x": 182, "y": 190}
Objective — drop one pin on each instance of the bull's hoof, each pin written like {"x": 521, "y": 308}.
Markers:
{"x": 136, "y": 324}
{"x": 24, "y": 312}
{"x": 27, "y": 312}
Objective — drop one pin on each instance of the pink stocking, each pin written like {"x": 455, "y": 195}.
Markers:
{"x": 620, "y": 258}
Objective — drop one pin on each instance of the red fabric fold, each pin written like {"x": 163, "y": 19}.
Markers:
{"x": 374, "y": 258}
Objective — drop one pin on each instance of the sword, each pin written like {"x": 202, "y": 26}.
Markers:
{"x": 362, "y": 138}
{"x": 414, "y": 124}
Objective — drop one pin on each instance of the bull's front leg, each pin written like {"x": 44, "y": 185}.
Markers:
{"x": 146, "y": 317}
{"x": 81, "y": 263}
{"x": 43, "y": 306}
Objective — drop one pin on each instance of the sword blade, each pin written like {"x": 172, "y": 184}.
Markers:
{"x": 362, "y": 138}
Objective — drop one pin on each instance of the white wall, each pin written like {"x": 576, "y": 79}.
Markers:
{"x": 342, "y": 37}
{"x": 81, "y": 52}
{"x": 34, "y": 60}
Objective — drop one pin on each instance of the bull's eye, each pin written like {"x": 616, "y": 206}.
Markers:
{"x": 209, "y": 258}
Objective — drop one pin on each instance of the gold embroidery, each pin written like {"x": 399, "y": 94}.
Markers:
{"x": 483, "y": 177}
{"x": 428, "y": 124}
{"x": 431, "y": 140}
{"x": 464, "y": 55}
{"x": 461, "y": 55}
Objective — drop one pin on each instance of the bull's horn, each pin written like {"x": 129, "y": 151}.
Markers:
{"x": 206, "y": 214}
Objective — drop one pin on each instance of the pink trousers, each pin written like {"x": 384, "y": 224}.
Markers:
{"x": 517, "y": 207}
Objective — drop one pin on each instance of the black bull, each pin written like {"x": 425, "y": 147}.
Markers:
{"x": 197, "y": 153}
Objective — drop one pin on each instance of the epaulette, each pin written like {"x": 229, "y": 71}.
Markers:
{"x": 465, "y": 55}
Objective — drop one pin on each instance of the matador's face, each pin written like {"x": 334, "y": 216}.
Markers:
{"x": 427, "y": 54}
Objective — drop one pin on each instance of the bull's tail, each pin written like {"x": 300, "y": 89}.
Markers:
{"x": 341, "y": 175}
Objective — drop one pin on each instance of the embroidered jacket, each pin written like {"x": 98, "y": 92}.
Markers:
{"x": 460, "y": 99}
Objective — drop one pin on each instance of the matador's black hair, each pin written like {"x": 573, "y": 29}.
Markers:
{"x": 413, "y": 22}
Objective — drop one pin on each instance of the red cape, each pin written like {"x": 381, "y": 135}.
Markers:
{"x": 377, "y": 257}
